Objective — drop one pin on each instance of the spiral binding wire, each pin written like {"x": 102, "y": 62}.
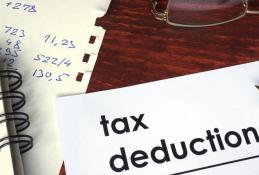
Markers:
{"x": 21, "y": 119}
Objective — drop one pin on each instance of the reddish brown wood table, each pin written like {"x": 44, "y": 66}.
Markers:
{"x": 138, "y": 49}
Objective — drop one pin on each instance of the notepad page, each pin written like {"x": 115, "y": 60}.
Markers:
{"x": 57, "y": 42}
{"x": 54, "y": 45}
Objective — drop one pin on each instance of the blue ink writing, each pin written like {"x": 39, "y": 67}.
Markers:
{"x": 54, "y": 41}
{"x": 49, "y": 76}
{"x": 22, "y": 6}
{"x": 14, "y": 31}
{"x": 54, "y": 61}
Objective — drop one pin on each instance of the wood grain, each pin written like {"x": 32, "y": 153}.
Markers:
{"x": 139, "y": 49}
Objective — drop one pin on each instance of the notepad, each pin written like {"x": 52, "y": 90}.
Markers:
{"x": 54, "y": 45}
{"x": 12, "y": 123}
{"x": 199, "y": 124}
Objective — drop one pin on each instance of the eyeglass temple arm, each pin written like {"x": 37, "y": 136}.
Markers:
{"x": 158, "y": 15}
{"x": 253, "y": 12}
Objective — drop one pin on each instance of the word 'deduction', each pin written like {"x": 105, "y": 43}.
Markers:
{"x": 140, "y": 158}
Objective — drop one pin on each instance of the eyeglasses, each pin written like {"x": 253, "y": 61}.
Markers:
{"x": 203, "y": 13}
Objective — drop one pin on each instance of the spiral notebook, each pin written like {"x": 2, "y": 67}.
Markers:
{"x": 54, "y": 45}
{"x": 12, "y": 123}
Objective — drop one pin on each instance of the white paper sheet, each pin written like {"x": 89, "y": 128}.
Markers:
{"x": 175, "y": 110}
{"x": 46, "y": 41}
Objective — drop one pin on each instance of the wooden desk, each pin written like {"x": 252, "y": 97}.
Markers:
{"x": 139, "y": 49}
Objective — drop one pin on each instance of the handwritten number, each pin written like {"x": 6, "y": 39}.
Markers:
{"x": 64, "y": 42}
{"x": 38, "y": 58}
{"x": 8, "y": 29}
{"x": 48, "y": 74}
{"x": 41, "y": 73}
{"x": 32, "y": 9}
{"x": 17, "y": 6}
{"x": 46, "y": 60}
{"x": 67, "y": 63}
{"x": 14, "y": 32}
{"x": 54, "y": 41}
{"x": 17, "y": 45}
{"x": 54, "y": 61}
{"x": 22, "y": 34}
{"x": 8, "y": 52}
{"x": 34, "y": 73}
{"x": 72, "y": 45}
{"x": 8, "y": 42}
{"x": 59, "y": 78}
{"x": 47, "y": 38}
{"x": 13, "y": 44}
{"x": 26, "y": 6}
{"x": 10, "y": 62}
{"x": 8, "y": 4}
{"x": 15, "y": 54}
{"x": 21, "y": 6}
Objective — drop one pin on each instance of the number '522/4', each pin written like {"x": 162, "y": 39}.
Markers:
{"x": 55, "y": 61}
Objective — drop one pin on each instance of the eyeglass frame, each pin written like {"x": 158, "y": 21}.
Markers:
{"x": 163, "y": 16}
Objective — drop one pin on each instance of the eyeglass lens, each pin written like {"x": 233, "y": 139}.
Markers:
{"x": 204, "y": 12}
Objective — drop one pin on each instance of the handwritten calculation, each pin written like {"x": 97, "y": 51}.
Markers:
{"x": 21, "y": 6}
{"x": 54, "y": 61}
{"x": 12, "y": 45}
{"x": 14, "y": 31}
{"x": 49, "y": 76}
{"x": 12, "y": 48}
{"x": 54, "y": 41}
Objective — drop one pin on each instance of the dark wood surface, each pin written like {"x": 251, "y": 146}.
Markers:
{"x": 138, "y": 49}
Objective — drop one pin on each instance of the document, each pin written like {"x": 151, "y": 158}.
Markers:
{"x": 200, "y": 124}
